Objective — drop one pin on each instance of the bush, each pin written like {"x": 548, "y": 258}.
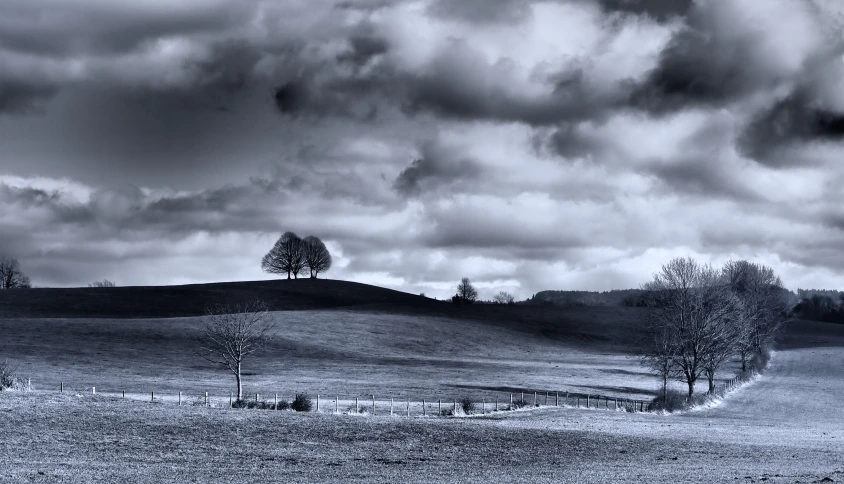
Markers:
{"x": 260, "y": 405}
{"x": 517, "y": 404}
{"x": 675, "y": 401}
{"x": 7, "y": 375}
{"x": 302, "y": 403}
{"x": 467, "y": 405}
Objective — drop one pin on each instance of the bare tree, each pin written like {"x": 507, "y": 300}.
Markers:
{"x": 232, "y": 333}
{"x": 466, "y": 292}
{"x": 11, "y": 276}
{"x": 286, "y": 256}
{"x": 658, "y": 355}
{"x": 696, "y": 311}
{"x": 317, "y": 257}
{"x": 764, "y": 305}
{"x": 103, "y": 283}
{"x": 504, "y": 297}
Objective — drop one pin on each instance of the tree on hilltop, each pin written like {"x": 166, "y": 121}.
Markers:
{"x": 286, "y": 256}
{"x": 11, "y": 276}
{"x": 317, "y": 257}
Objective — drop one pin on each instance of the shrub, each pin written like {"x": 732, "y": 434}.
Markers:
{"x": 520, "y": 403}
{"x": 7, "y": 375}
{"x": 283, "y": 405}
{"x": 467, "y": 405}
{"x": 302, "y": 403}
{"x": 674, "y": 402}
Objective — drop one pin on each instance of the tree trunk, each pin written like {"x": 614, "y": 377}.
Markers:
{"x": 664, "y": 388}
{"x": 743, "y": 360}
{"x": 711, "y": 378}
{"x": 239, "y": 384}
{"x": 691, "y": 384}
{"x": 288, "y": 275}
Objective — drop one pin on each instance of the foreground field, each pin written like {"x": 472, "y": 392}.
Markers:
{"x": 782, "y": 428}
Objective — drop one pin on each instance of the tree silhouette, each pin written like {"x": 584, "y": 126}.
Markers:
{"x": 286, "y": 256}
{"x": 466, "y": 292}
{"x": 317, "y": 257}
{"x": 11, "y": 276}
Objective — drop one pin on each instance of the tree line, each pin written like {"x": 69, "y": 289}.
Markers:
{"x": 701, "y": 317}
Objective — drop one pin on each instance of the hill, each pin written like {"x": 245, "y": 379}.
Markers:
{"x": 331, "y": 336}
{"x": 193, "y": 299}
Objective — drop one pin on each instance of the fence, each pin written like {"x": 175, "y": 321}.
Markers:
{"x": 372, "y": 405}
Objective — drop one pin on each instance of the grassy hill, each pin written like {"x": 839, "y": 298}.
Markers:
{"x": 192, "y": 299}
{"x": 331, "y": 336}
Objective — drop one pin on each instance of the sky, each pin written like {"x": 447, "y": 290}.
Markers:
{"x": 525, "y": 144}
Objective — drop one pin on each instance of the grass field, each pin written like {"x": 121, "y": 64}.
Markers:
{"x": 785, "y": 427}
{"x": 387, "y": 343}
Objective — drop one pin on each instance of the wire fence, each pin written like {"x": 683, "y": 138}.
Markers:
{"x": 372, "y": 404}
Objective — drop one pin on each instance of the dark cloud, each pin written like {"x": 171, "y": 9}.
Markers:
{"x": 101, "y": 28}
{"x": 794, "y": 119}
{"x": 482, "y": 11}
{"x": 18, "y": 97}
{"x": 660, "y": 10}
{"x": 436, "y": 167}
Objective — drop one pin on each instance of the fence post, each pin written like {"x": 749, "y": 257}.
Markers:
{"x": 424, "y": 412}
{"x": 534, "y": 399}
{"x": 496, "y": 403}
{"x": 357, "y": 409}
{"x": 231, "y": 403}
{"x": 317, "y": 403}
{"x": 152, "y": 398}
{"x": 483, "y": 406}
{"x": 61, "y": 387}
{"x": 408, "y": 406}
{"x": 124, "y": 393}
{"x": 511, "y": 401}
{"x": 455, "y": 408}
{"x": 337, "y": 404}
{"x": 440, "y": 407}
{"x": 607, "y": 403}
{"x": 391, "y": 406}
{"x": 567, "y": 398}
{"x": 546, "y": 398}
{"x": 578, "y": 401}
{"x": 206, "y": 398}
{"x": 523, "y": 397}
{"x": 93, "y": 390}
{"x": 180, "y": 399}
{"x": 275, "y": 404}
{"x": 373, "y": 405}
{"x": 556, "y": 399}
{"x": 587, "y": 401}
{"x": 256, "y": 398}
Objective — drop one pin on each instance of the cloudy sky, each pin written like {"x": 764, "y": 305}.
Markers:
{"x": 528, "y": 145}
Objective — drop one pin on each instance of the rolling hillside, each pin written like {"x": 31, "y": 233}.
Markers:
{"x": 331, "y": 336}
{"x": 192, "y": 300}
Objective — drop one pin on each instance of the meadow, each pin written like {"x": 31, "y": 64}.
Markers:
{"x": 783, "y": 427}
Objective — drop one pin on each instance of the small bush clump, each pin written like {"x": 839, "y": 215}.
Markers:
{"x": 673, "y": 402}
{"x": 517, "y": 404}
{"x": 467, "y": 405}
{"x": 302, "y": 403}
{"x": 10, "y": 381}
{"x": 7, "y": 375}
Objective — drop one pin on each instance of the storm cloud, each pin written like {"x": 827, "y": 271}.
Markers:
{"x": 526, "y": 144}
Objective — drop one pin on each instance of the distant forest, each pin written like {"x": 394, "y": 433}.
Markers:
{"x": 812, "y": 304}
{"x": 617, "y": 297}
